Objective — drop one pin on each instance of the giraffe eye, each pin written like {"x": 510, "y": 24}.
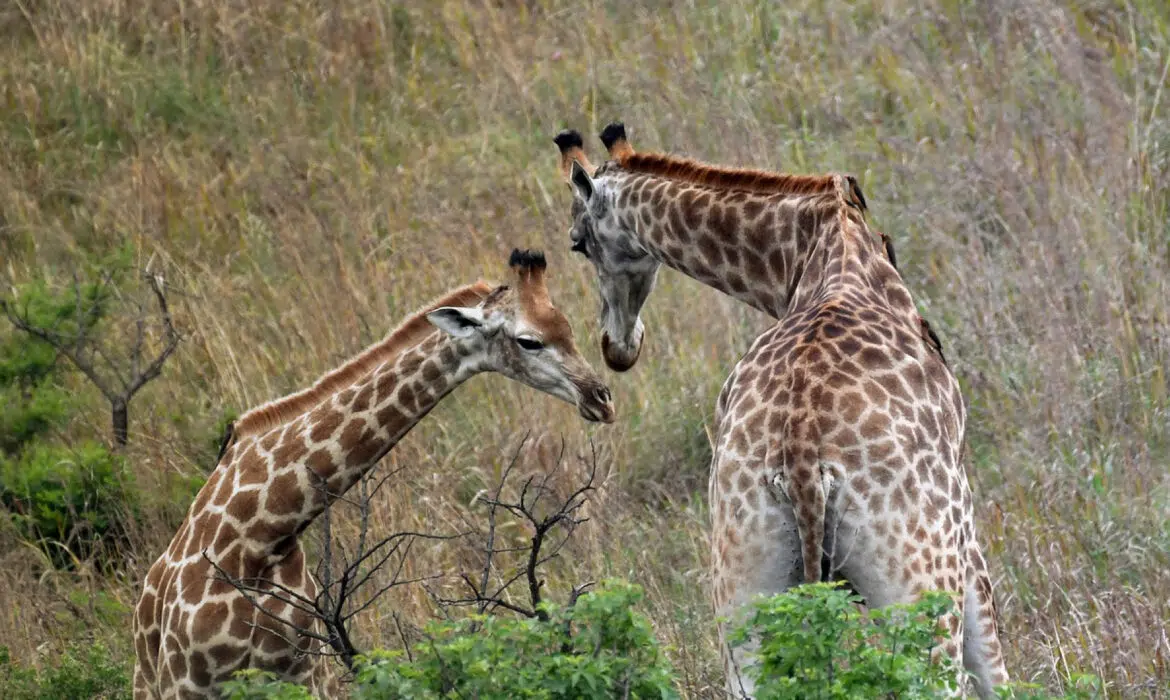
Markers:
{"x": 530, "y": 344}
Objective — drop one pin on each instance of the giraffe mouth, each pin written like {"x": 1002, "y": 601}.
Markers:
{"x": 618, "y": 356}
{"x": 596, "y": 405}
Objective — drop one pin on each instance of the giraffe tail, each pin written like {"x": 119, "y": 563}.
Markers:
{"x": 982, "y": 653}
{"x": 806, "y": 486}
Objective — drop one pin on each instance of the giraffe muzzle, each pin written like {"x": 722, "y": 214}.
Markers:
{"x": 619, "y": 357}
{"x": 596, "y": 405}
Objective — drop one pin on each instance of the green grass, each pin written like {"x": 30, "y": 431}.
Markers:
{"x": 308, "y": 172}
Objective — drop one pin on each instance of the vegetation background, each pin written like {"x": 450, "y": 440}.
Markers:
{"x": 305, "y": 172}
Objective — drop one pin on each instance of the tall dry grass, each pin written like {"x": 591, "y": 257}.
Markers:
{"x": 308, "y": 171}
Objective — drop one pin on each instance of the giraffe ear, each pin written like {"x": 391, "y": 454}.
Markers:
{"x": 582, "y": 183}
{"x": 457, "y": 321}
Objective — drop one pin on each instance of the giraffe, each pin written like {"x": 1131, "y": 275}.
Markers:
{"x": 287, "y": 460}
{"x": 838, "y": 434}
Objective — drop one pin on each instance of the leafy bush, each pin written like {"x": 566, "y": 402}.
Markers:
{"x": 815, "y": 642}
{"x": 29, "y": 402}
{"x": 80, "y": 674}
{"x": 254, "y": 684}
{"x": 598, "y": 648}
{"x": 71, "y": 501}
{"x": 68, "y": 313}
{"x": 25, "y": 360}
{"x": 27, "y": 411}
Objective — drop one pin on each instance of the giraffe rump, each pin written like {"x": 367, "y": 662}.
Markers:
{"x": 412, "y": 331}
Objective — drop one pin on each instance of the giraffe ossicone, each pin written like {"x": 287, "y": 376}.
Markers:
{"x": 284, "y": 462}
{"x": 838, "y": 435}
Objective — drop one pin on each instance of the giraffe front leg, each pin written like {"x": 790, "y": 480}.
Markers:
{"x": 326, "y": 683}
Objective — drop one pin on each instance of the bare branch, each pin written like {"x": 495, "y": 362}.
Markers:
{"x": 402, "y": 636}
{"x": 541, "y": 547}
{"x": 353, "y": 575}
{"x": 489, "y": 548}
{"x": 117, "y": 378}
{"x": 154, "y": 369}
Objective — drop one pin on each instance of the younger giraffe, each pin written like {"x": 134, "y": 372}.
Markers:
{"x": 838, "y": 434}
{"x": 289, "y": 459}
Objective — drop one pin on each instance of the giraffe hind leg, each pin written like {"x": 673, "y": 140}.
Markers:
{"x": 878, "y": 569}
{"x": 982, "y": 653}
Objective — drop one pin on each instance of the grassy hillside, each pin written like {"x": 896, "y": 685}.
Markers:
{"x": 306, "y": 172}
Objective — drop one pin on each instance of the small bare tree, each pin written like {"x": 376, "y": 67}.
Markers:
{"x": 352, "y": 576}
{"x": 75, "y": 336}
{"x": 549, "y": 520}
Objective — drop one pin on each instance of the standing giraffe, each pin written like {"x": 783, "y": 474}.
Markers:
{"x": 289, "y": 459}
{"x": 839, "y": 433}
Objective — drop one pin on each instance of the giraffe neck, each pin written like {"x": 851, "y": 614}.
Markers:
{"x": 755, "y": 247}
{"x": 319, "y": 456}
{"x": 845, "y": 262}
{"x": 378, "y": 412}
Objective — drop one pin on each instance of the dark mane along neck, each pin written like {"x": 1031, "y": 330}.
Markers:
{"x": 746, "y": 179}
{"x": 409, "y": 333}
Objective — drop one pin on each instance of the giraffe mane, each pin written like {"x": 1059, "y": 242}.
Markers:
{"x": 409, "y": 333}
{"x": 750, "y": 179}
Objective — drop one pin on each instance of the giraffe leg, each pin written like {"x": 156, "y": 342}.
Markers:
{"x": 326, "y": 683}
{"x": 982, "y": 653}
{"x": 889, "y": 570}
{"x": 755, "y": 550}
{"x": 141, "y": 690}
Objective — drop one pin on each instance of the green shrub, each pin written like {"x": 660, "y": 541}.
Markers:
{"x": 71, "y": 501}
{"x": 254, "y": 684}
{"x": 814, "y": 642}
{"x": 80, "y": 674}
{"x": 66, "y": 313}
{"x": 599, "y": 648}
{"x": 28, "y": 411}
{"x": 25, "y": 360}
{"x": 29, "y": 402}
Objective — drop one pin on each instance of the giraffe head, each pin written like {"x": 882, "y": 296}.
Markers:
{"x": 517, "y": 332}
{"x": 625, "y": 269}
